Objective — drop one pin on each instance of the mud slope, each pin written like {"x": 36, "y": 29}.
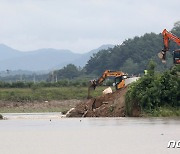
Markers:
{"x": 109, "y": 105}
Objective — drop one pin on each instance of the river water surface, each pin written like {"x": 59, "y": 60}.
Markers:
{"x": 51, "y": 134}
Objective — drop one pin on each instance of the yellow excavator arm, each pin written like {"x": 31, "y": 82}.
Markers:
{"x": 119, "y": 80}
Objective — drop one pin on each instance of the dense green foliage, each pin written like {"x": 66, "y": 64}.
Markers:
{"x": 68, "y": 72}
{"x": 133, "y": 55}
{"x": 155, "y": 90}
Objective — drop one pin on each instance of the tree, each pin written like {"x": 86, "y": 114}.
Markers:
{"x": 130, "y": 67}
{"x": 69, "y": 72}
{"x": 176, "y": 28}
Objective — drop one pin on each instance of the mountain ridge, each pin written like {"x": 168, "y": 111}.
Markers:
{"x": 42, "y": 59}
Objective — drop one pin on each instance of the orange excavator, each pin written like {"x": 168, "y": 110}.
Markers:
{"x": 119, "y": 80}
{"x": 167, "y": 36}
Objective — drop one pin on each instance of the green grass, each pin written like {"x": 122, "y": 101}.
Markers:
{"x": 165, "y": 111}
{"x": 42, "y": 94}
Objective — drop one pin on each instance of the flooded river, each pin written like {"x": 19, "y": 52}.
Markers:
{"x": 50, "y": 134}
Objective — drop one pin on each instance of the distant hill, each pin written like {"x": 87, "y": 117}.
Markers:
{"x": 8, "y": 52}
{"x": 42, "y": 59}
{"x": 133, "y": 55}
{"x": 83, "y": 59}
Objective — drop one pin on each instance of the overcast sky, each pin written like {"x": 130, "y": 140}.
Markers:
{"x": 81, "y": 25}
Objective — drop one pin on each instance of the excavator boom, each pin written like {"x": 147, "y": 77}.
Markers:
{"x": 167, "y": 36}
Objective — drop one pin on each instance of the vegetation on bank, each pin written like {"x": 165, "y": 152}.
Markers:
{"x": 165, "y": 111}
{"x": 157, "y": 94}
{"x": 46, "y": 94}
{"x": 59, "y": 83}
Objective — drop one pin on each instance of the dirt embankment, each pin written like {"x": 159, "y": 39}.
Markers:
{"x": 109, "y": 105}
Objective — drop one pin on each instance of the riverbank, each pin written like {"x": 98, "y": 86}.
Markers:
{"x": 100, "y": 109}
{"x": 167, "y": 111}
{"x": 62, "y": 99}
{"x": 43, "y": 106}
{"x": 114, "y": 105}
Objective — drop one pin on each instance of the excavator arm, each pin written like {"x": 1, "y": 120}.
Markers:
{"x": 167, "y": 36}
{"x": 107, "y": 73}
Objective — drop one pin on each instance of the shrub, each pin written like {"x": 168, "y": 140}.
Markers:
{"x": 154, "y": 90}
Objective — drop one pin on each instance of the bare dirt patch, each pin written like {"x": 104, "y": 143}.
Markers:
{"x": 109, "y": 105}
{"x": 45, "y": 106}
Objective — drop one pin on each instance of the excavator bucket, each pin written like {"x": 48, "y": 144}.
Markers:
{"x": 162, "y": 56}
{"x": 92, "y": 86}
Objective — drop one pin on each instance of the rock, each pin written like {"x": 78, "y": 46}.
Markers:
{"x": 107, "y": 91}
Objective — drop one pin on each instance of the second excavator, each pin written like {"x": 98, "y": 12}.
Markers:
{"x": 167, "y": 36}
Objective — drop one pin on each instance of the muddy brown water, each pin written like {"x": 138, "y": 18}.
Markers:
{"x": 54, "y": 135}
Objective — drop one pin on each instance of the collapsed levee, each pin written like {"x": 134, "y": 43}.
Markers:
{"x": 109, "y": 105}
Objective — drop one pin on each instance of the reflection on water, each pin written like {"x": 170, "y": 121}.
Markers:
{"x": 88, "y": 135}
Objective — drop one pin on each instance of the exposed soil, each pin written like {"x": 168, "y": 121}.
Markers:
{"x": 46, "y": 106}
{"x": 109, "y": 105}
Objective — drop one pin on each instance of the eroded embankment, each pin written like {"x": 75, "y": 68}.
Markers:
{"x": 109, "y": 105}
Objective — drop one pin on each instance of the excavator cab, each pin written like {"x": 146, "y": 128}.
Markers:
{"x": 119, "y": 82}
{"x": 176, "y": 56}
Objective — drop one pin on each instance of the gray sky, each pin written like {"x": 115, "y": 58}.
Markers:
{"x": 81, "y": 25}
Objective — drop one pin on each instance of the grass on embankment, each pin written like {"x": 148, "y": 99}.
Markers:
{"x": 166, "y": 111}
